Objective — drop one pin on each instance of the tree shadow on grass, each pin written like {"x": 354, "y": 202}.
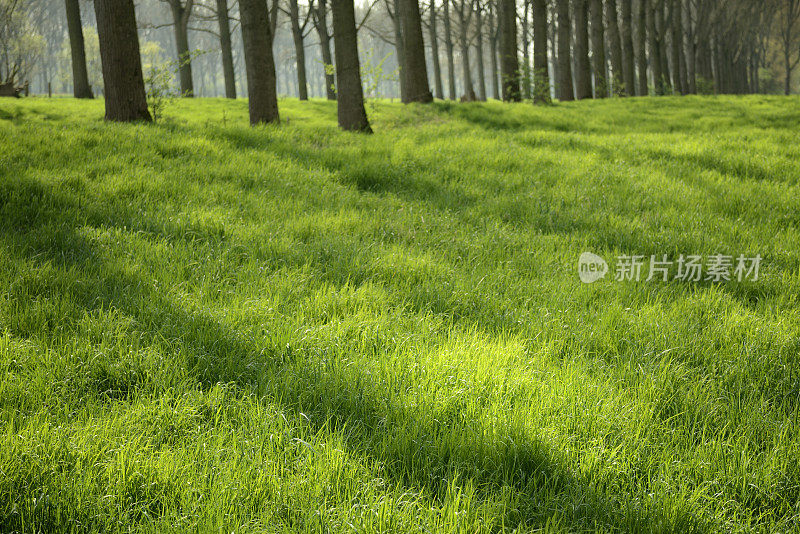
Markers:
{"x": 434, "y": 455}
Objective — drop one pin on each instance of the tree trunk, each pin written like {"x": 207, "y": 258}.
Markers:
{"x": 180, "y": 17}
{"x": 691, "y": 49}
{"x": 541, "y": 76}
{"x": 655, "y": 49}
{"x": 80, "y": 76}
{"x": 583, "y": 69}
{"x": 226, "y": 48}
{"x": 641, "y": 47}
{"x": 509, "y": 61}
{"x": 493, "y": 36}
{"x": 259, "y": 62}
{"x": 598, "y": 49}
{"x": 350, "y": 94}
{"x": 526, "y": 57}
{"x": 615, "y": 45}
{"x": 416, "y": 72}
{"x": 674, "y": 46}
{"x": 679, "y": 37}
{"x": 469, "y": 90}
{"x": 661, "y": 30}
{"x": 437, "y": 68}
{"x": 299, "y": 50}
{"x": 123, "y": 84}
{"x": 448, "y": 45}
{"x": 321, "y": 25}
{"x": 479, "y": 53}
{"x": 399, "y": 47}
{"x": 564, "y": 89}
{"x": 626, "y": 31}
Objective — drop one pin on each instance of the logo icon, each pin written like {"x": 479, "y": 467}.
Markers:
{"x": 591, "y": 267}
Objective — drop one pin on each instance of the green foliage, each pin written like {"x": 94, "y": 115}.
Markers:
{"x": 159, "y": 79}
{"x": 211, "y": 327}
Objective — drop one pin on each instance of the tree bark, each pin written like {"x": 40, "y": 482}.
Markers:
{"x": 641, "y": 47}
{"x": 80, "y": 76}
{"x": 448, "y": 45}
{"x": 691, "y": 49}
{"x": 123, "y": 84}
{"x": 583, "y": 69}
{"x": 615, "y": 45}
{"x": 416, "y": 72}
{"x": 226, "y": 48}
{"x": 437, "y": 68}
{"x": 479, "y": 52}
{"x": 493, "y": 37}
{"x": 525, "y": 74}
{"x": 628, "y": 68}
{"x": 655, "y": 47}
{"x": 259, "y": 62}
{"x": 299, "y": 50}
{"x": 320, "y": 15}
{"x": 564, "y": 89}
{"x": 180, "y": 18}
{"x": 400, "y": 49}
{"x": 509, "y": 61}
{"x": 350, "y": 93}
{"x": 541, "y": 76}
{"x": 599, "y": 66}
{"x": 463, "y": 27}
{"x": 662, "y": 30}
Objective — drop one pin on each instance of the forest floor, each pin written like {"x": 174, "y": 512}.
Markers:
{"x": 211, "y": 327}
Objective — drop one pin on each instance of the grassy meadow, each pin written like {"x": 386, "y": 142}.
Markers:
{"x": 207, "y": 327}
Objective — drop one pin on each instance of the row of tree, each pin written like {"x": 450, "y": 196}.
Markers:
{"x": 580, "y": 48}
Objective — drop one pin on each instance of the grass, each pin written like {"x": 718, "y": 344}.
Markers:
{"x": 210, "y": 327}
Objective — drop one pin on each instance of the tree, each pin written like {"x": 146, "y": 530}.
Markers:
{"x": 654, "y": 44}
{"x": 437, "y": 69}
{"x": 641, "y": 47}
{"x": 21, "y": 46}
{"x": 416, "y": 72}
{"x": 789, "y": 17}
{"x": 509, "y": 62}
{"x": 478, "y": 8}
{"x": 298, "y": 36}
{"x": 494, "y": 37}
{"x": 599, "y": 66}
{"x": 583, "y": 70}
{"x": 448, "y": 45}
{"x": 464, "y": 14}
{"x": 626, "y": 34}
{"x": 123, "y": 84}
{"x": 259, "y": 62}
{"x": 350, "y": 93}
{"x": 320, "y": 18}
{"x": 223, "y": 17}
{"x": 615, "y": 47}
{"x": 80, "y": 76}
{"x": 564, "y": 88}
{"x": 541, "y": 76}
{"x": 181, "y": 13}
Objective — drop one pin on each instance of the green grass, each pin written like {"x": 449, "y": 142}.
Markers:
{"x": 211, "y": 327}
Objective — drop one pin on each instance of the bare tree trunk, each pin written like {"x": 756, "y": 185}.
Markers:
{"x": 583, "y": 69}
{"x": 299, "y": 50}
{"x": 655, "y": 47}
{"x": 564, "y": 89}
{"x": 479, "y": 51}
{"x": 599, "y": 67}
{"x": 691, "y": 49}
{"x": 123, "y": 84}
{"x": 641, "y": 47}
{"x": 180, "y": 17}
{"x": 259, "y": 62}
{"x": 662, "y": 30}
{"x": 526, "y": 57}
{"x": 463, "y": 23}
{"x": 226, "y": 48}
{"x": 541, "y": 76}
{"x": 416, "y": 72}
{"x": 678, "y": 34}
{"x": 80, "y": 76}
{"x": 400, "y": 49}
{"x": 493, "y": 37}
{"x": 320, "y": 15}
{"x": 434, "y": 38}
{"x": 509, "y": 62}
{"x": 615, "y": 45}
{"x": 448, "y": 45}
{"x": 628, "y": 69}
{"x": 350, "y": 94}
